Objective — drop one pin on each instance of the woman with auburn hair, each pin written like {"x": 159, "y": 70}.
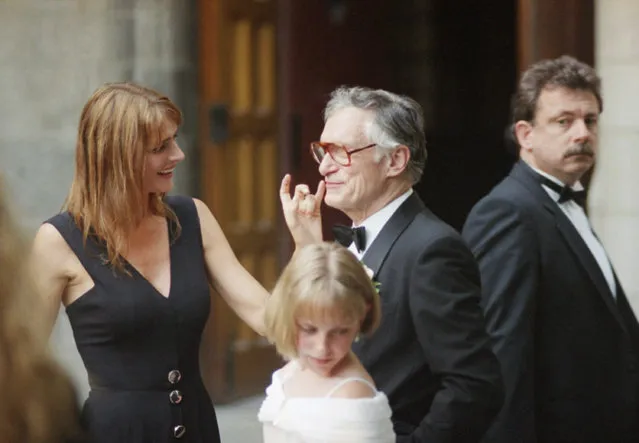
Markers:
{"x": 38, "y": 403}
{"x": 132, "y": 266}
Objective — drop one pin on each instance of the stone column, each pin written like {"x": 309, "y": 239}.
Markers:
{"x": 53, "y": 55}
{"x": 614, "y": 199}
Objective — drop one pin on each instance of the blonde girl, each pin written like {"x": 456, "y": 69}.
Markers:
{"x": 323, "y": 300}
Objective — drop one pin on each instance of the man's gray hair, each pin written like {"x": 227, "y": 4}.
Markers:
{"x": 399, "y": 120}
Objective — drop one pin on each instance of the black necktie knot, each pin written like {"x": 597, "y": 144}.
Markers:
{"x": 345, "y": 235}
{"x": 566, "y": 193}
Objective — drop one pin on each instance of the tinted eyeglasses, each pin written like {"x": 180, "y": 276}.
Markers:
{"x": 338, "y": 153}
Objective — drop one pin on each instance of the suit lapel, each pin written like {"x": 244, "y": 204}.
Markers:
{"x": 587, "y": 260}
{"x": 626, "y": 312}
{"x": 524, "y": 174}
{"x": 378, "y": 250}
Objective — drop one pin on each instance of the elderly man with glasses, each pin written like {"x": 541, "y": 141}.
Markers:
{"x": 431, "y": 354}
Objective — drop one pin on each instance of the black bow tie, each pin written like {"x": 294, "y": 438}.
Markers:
{"x": 345, "y": 235}
{"x": 565, "y": 192}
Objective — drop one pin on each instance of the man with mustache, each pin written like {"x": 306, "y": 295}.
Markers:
{"x": 560, "y": 323}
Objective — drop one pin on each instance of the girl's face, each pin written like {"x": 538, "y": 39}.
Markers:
{"x": 323, "y": 343}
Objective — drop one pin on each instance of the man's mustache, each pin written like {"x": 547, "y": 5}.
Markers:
{"x": 581, "y": 149}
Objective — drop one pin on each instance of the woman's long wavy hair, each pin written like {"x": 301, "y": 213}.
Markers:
{"x": 120, "y": 124}
{"x": 38, "y": 403}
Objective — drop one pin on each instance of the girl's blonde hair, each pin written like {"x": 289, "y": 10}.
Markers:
{"x": 119, "y": 125}
{"x": 320, "y": 280}
{"x": 38, "y": 402}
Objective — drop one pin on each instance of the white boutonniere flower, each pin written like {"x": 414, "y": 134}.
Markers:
{"x": 369, "y": 271}
{"x": 371, "y": 274}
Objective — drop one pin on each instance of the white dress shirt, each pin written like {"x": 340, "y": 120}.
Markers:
{"x": 374, "y": 223}
{"x": 577, "y": 216}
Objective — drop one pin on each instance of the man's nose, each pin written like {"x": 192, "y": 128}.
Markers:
{"x": 581, "y": 131}
{"x": 327, "y": 165}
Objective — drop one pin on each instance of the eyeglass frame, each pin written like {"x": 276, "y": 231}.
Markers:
{"x": 324, "y": 145}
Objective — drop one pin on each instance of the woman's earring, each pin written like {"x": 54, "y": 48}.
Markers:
{"x": 357, "y": 338}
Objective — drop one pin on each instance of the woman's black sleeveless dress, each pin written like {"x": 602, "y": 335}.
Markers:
{"x": 141, "y": 349}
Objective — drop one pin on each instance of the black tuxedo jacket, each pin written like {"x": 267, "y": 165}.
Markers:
{"x": 431, "y": 354}
{"x": 567, "y": 348}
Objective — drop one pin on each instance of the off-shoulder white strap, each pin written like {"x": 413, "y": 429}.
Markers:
{"x": 347, "y": 380}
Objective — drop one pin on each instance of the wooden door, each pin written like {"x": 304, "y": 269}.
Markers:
{"x": 549, "y": 28}
{"x": 325, "y": 44}
{"x": 240, "y": 175}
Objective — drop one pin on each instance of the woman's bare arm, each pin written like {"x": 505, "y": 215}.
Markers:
{"x": 243, "y": 293}
{"x": 50, "y": 256}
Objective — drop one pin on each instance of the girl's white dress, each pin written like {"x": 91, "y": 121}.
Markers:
{"x": 324, "y": 419}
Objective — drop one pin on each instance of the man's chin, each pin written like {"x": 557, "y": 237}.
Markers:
{"x": 580, "y": 164}
{"x": 333, "y": 201}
